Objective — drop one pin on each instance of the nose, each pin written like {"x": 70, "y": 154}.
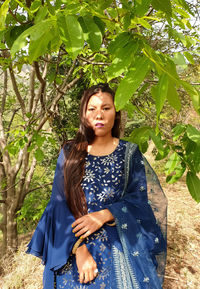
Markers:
{"x": 99, "y": 114}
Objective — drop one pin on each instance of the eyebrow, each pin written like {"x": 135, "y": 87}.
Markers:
{"x": 102, "y": 105}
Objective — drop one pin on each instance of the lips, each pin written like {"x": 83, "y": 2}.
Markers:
{"x": 99, "y": 124}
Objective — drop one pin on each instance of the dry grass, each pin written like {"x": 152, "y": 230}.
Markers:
{"x": 21, "y": 271}
{"x": 183, "y": 265}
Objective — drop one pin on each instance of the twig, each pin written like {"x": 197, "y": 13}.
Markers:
{"x": 40, "y": 187}
{"x": 93, "y": 63}
{"x": 169, "y": 277}
{"x": 16, "y": 90}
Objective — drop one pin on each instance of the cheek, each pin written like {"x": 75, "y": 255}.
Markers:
{"x": 88, "y": 117}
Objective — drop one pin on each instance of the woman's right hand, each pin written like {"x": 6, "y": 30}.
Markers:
{"x": 87, "y": 267}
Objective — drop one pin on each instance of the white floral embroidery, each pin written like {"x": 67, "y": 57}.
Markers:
{"x": 142, "y": 162}
{"x": 146, "y": 279}
{"x": 102, "y": 285}
{"x": 124, "y": 209}
{"x": 87, "y": 163}
{"x": 156, "y": 240}
{"x": 135, "y": 253}
{"x": 106, "y": 170}
{"x": 138, "y": 221}
{"x": 124, "y": 226}
{"x": 109, "y": 159}
{"x": 102, "y": 247}
{"x": 107, "y": 193}
{"x": 89, "y": 176}
{"x": 142, "y": 188}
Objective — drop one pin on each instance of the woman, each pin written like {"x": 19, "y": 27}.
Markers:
{"x": 99, "y": 229}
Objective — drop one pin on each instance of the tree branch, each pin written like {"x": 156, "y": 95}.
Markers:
{"x": 5, "y": 90}
{"x": 15, "y": 17}
{"x": 63, "y": 91}
{"x": 42, "y": 85}
{"x": 30, "y": 174}
{"x": 93, "y": 63}
{"x": 2, "y": 201}
{"x": 40, "y": 187}
{"x": 32, "y": 90}
{"x": 16, "y": 90}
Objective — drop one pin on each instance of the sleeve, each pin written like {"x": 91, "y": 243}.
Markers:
{"x": 53, "y": 239}
{"x": 136, "y": 224}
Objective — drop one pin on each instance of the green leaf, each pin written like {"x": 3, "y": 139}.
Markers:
{"x": 123, "y": 60}
{"x": 158, "y": 142}
{"x": 144, "y": 23}
{"x": 164, "y": 6}
{"x": 160, "y": 93}
{"x": 120, "y": 41}
{"x": 193, "y": 184}
{"x": 140, "y": 135}
{"x": 41, "y": 14}
{"x": 179, "y": 59}
{"x": 197, "y": 158}
{"x": 35, "y": 32}
{"x": 193, "y": 133}
{"x": 50, "y": 7}
{"x": 35, "y": 5}
{"x": 100, "y": 24}
{"x": 71, "y": 34}
{"x": 178, "y": 130}
{"x": 189, "y": 57}
{"x": 193, "y": 93}
{"x": 39, "y": 46}
{"x": 178, "y": 172}
{"x": 172, "y": 96}
{"x": 39, "y": 140}
{"x": 141, "y": 7}
{"x": 3, "y": 13}
{"x": 131, "y": 81}
{"x": 39, "y": 155}
{"x": 172, "y": 163}
{"x": 162, "y": 63}
{"x": 91, "y": 31}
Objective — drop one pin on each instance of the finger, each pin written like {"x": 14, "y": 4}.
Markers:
{"x": 86, "y": 280}
{"x": 82, "y": 233}
{"x": 78, "y": 221}
{"x": 96, "y": 272}
{"x": 81, "y": 277}
{"x": 78, "y": 227}
{"x": 91, "y": 275}
{"x": 87, "y": 234}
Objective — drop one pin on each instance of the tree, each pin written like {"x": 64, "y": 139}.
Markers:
{"x": 135, "y": 45}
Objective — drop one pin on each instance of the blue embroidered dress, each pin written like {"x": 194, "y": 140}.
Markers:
{"x": 127, "y": 254}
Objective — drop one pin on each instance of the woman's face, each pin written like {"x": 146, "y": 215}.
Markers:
{"x": 100, "y": 113}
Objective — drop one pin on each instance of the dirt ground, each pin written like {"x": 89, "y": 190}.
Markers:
{"x": 183, "y": 261}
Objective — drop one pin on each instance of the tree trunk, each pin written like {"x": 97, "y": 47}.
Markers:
{"x": 123, "y": 123}
{"x": 12, "y": 236}
{"x": 3, "y": 209}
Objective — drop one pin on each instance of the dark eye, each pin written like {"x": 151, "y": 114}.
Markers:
{"x": 90, "y": 109}
{"x": 106, "y": 108}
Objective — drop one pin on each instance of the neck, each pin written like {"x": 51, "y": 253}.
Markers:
{"x": 103, "y": 145}
{"x": 98, "y": 141}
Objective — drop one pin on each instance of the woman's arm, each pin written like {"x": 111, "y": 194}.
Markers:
{"x": 87, "y": 267}
{"x": 90, "y": 223}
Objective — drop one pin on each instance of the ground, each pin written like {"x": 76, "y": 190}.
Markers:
{"x": 183, "y": 262}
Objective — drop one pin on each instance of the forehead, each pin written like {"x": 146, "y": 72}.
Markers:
{"x": 100, "y": 98}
